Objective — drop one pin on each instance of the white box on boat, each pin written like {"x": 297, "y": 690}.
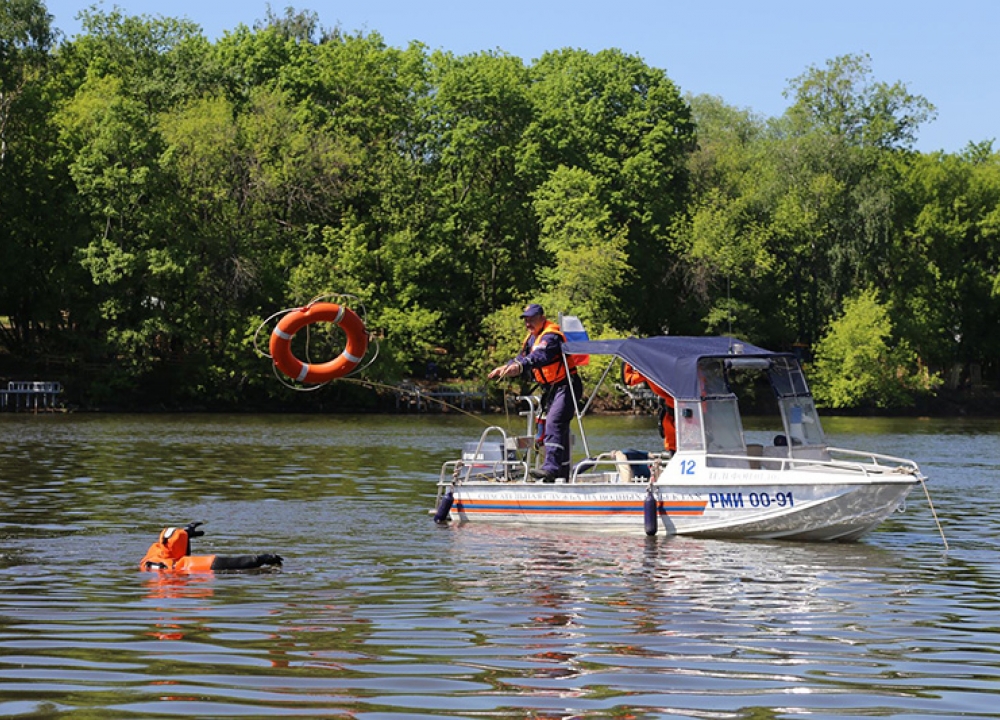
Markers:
{"x": 487, "y": 452}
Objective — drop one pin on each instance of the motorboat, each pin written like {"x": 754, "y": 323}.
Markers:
{"x": 783, "y": 482}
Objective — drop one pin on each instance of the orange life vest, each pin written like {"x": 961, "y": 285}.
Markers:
{"x": 170, "y": 552}
{"x": 555, "y": 371}
{"x": 634, "y": 377}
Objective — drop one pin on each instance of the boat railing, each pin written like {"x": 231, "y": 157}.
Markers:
{"x": 890, "y": 461}
{"x": 641, "y": 469}
{"x": 770, "y": 462}
{"x": 493, "y": 470}
{"x": 476, "y": 464}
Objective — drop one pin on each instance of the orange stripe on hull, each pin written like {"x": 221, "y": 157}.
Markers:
{"x": 550, "y": 507}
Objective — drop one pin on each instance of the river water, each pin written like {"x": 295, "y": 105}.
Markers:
{"x": 379, "y": 614}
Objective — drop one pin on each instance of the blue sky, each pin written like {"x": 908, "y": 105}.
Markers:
{"x": 744, "y": 51}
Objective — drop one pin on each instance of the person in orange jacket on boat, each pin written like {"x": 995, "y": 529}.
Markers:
{"x": 541, "y": 356}
{"x": 172, "y": 553}
{"x": 668, "y": 428}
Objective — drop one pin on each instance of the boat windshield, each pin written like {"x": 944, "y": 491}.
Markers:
{"x": 787, "y": 378}
{"x": 720, "y": 413}
{"x": 798, "y": 411}
{"x": 802, "y": 421}
{"x": 713, "y": 423}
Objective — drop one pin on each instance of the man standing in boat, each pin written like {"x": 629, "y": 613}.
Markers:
{"x": 542, "y": 355}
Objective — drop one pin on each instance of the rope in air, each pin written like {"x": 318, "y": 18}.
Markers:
{"x": 439, "y": 401}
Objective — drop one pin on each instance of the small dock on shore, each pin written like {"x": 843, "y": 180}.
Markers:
{"x": 31, "y": 396}
{"x": 641, "y": 397}
{"x": 411, "y": 396}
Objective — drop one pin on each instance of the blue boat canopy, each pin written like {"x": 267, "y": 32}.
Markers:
{"x": 671, "y": 361}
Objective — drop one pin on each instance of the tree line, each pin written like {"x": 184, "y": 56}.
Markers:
{"x": 162, "y": 195}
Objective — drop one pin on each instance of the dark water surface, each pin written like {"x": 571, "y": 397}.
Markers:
{"x": 380, "y": 614}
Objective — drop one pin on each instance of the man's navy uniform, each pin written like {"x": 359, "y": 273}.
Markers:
{"x": 542, "y": 355}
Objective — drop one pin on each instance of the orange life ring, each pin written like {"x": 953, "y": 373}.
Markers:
{"x": 349, "y": 322}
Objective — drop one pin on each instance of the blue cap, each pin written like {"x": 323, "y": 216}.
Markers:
{"x": 532, "y": 310}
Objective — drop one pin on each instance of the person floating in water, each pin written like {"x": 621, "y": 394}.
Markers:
{"x": 172, "y": 553}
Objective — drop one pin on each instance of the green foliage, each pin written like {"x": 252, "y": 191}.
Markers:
{"x": 949, "y": 257}
{"x": 25, "y": 38}
{"x": 38, "y": 223}
{"x": 846, "y": 101}
{"x": 796, "y": 214}
{"x": 859, "y": 363}
{"x": 161, "y": 195}
{"x": 626, "y": 124}
{"x": 476, "y": 217}
{"x": 589, "y": 260}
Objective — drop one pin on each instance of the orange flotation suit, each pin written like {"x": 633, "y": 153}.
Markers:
{"x": 172, "y": 552}
{"x": 668, "y": 427}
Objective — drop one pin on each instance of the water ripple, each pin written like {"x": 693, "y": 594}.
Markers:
{"x": 379, "y": 614}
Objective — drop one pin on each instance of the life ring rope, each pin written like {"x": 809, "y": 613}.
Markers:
{"x": 292, "y": 320}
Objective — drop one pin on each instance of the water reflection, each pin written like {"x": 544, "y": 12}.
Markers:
{"x": 379, "y": 613}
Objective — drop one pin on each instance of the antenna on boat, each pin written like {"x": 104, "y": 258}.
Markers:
{"x": 573, "y": 330}
{"x": 729, "y": 310}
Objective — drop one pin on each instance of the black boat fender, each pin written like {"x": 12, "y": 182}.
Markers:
{"x": 649, "y": 510}
{"x": 444, "y": 508}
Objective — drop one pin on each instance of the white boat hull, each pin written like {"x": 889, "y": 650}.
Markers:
{"x": 790, "y": 504}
